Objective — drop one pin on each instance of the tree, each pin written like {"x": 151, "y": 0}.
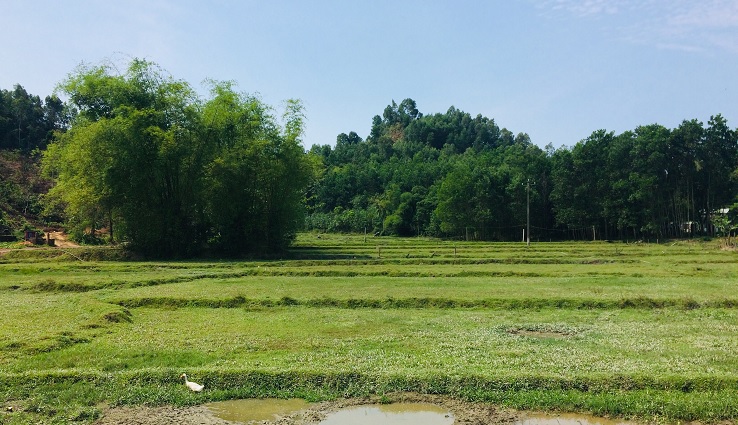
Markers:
{"x": 580, "y": 181}
{"x": 472, "y": 196}
{"x": 725, "y": 223}
{"x": 681, "y": 173}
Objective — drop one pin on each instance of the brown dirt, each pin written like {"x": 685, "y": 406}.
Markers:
{"x": 466, "y": 413}
{"x": 61, "y": 240}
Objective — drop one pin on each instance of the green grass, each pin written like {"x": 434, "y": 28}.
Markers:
{"x": 632, "y": 330}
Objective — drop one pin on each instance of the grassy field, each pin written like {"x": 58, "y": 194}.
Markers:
{"x": 647, "y": 331}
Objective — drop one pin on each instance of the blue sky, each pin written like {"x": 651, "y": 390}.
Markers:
{"x": 555, "y": 69}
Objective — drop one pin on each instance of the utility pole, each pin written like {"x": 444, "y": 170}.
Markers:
{"x": 527, "y": 231}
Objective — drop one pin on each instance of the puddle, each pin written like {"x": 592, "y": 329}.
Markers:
{"x": 568, "y": 419}
{"x": 408, "y": 413}
{"x": 256, "y": 409}
{"x": 391, "y": 414}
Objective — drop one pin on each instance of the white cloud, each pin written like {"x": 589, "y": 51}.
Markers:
{"x": 714, "y": 14}
{"x": 674, "y": 24}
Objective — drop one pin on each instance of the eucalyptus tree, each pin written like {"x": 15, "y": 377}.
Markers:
{"x": 648, "y": 195}
{"x": 681, "y": 175}
{"x": 581, "y": 183}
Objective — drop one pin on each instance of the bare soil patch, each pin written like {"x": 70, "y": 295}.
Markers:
{"x": 61, "y": 240}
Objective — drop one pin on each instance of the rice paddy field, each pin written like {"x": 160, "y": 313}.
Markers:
{"x": 639, "y": 331}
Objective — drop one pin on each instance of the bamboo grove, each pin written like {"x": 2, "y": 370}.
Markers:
{"x": 172, "y": 175}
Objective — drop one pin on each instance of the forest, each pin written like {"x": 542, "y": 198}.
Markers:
{"x": 454, "y": 175}
{"x": 139, "y": 158}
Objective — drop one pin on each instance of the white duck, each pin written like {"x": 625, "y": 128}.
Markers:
{"x": 194, "y": 386}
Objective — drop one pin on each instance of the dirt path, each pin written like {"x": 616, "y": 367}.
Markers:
{"x": 465, "y": 413}
{"x": 61, "y": 240}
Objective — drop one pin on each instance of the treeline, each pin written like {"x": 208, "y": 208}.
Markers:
{"x": 454, "y": 175}
{"x": 154, "y": 166}
{"x": 139, "y": 158}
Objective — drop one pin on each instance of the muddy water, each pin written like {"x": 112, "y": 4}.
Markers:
{"x": 390, "y": 414}
{"x": 410, "y": 412}
{"x": 567, "y": 419}
{"x": 256, "y": 409}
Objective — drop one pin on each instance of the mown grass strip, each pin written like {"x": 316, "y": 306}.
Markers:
{"x": 51, "y": 285}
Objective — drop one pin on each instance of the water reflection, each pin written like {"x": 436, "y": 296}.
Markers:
{"x": 247, "y": 410}
{"x": 391, "y": 414}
